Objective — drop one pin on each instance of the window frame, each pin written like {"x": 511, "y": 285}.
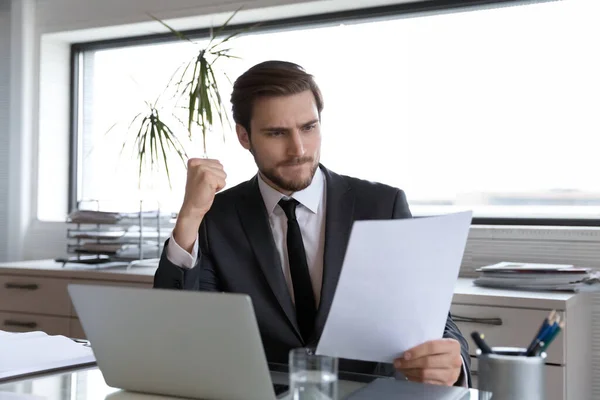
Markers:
{"x": 320, "y": 20}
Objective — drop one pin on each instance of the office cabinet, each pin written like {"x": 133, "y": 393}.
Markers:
{"x": 512, "y": 318}
{"x": 34, "y": 296}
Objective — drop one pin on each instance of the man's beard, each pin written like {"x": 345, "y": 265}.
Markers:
{"x": 286, "y": 184}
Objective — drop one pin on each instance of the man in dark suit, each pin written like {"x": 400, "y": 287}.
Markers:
{"x": 281, "y": 237}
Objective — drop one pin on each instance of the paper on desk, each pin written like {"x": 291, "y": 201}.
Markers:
{"x": 19, "y": 396}
{"x": 4, "y": 335}
{"x": 26, "y": 353}
{"x": 396, "y": 286}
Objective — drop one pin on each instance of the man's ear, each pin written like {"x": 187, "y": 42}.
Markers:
{"x": 243, "y": 136}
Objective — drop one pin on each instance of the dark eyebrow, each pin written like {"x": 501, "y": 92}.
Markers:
{"x": 274, "y": 129}
{"x": 282, "y": 129}
{"x": 309, "y": 123}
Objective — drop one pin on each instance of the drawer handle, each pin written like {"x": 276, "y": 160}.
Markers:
{"x": 22, "y": 286}
{"x": 31, "y": 325}
{"x": 483, "y": 321}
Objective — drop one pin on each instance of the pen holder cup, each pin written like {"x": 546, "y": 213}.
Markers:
{"x": 508, "y": 374}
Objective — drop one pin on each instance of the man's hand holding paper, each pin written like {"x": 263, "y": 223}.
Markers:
{"x": 393, "y": 297}
{"x": 437, "y": 362}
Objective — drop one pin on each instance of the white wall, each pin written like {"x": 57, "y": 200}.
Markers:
{"x": 5, "y": 27}
{"x": 22, "y": 117}
{"x": 68, "y": 15}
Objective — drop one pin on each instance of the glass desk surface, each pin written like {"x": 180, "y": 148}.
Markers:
{"x": 89, "y": 384}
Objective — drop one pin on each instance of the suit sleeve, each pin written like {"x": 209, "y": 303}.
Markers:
{"x": 451, "y": 331}
{"x": 202, "y": 276}
{"x": 401, "y": 209}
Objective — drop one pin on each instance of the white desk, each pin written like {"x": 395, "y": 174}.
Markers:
{"x": 42, "y": 303}
{"x": 88, "y": 384}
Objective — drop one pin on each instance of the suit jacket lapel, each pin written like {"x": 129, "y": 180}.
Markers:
{"x": 339, "y": 217}
{"x": 255, "y": 222}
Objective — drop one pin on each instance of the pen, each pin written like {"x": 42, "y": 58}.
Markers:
{"x": 546, "y": 322}
{"x": 548, "y": 326}
{"x": 535, "y": 352}
{"x": 548, "y": 340}
{"x": 534, "y": 346}
{"x": 478, "y": 338}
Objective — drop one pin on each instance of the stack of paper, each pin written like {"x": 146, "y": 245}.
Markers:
{"x": 530, "y": 276}
{"x": 93, "y": 217}
{"x": 34, "y": 352}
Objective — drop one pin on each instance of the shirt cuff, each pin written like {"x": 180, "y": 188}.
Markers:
{"x": 178, "y": 256}
{"x": 463, "y": 381}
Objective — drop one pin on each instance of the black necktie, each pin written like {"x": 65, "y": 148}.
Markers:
{"x": 303, "y": 292}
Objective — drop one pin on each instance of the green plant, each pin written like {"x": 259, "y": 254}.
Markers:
{"x": 196, "y": 88}
{"x": 154, "y": 137}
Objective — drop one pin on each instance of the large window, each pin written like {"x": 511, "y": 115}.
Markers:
{"x": 494, "y": 110}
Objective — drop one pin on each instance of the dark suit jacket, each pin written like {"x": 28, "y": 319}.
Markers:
{"x": 237, "y": 254}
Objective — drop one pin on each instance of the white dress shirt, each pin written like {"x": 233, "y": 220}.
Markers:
{"x": 310, "y": 214}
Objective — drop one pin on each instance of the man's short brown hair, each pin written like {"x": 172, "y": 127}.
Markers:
{"x": 268, "y": 79}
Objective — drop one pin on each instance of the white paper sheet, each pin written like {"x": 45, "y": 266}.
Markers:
{"x": 25, "y": 353}
{"x": 396, "y": 286}
{"x": 19, "y": 396}
{"x": 20, "y": 336}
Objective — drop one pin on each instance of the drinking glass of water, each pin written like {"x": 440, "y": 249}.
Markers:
{"x": 312, "y": 377}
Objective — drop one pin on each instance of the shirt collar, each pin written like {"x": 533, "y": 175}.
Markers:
{"x": 310, "y": 197}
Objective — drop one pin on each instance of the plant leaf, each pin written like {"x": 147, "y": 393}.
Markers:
{"x": 142, "y": 153}
{"x": 179, "y": 120}
{"x": 218, "y": 102}
{"x": 205, "y": 106}
{"x": 185, "y": 71}
{"x": 160, "y": 129}
{"x": 111, "y": 128}
{"x": 136, "y": 139}
{"x": 173, "y": 31}
{"x": 232, "y": 35}
{"x": 133, "y": 121}
{"x": 172, "y": 140}
{"x": 192, "y": 99}
{"x": 228, "y": 78}
{"x": 153, "y": 144}
{"x": 223, "y": 26}
{"x": 202, "y": 109}
{"x": 227, "y": 38}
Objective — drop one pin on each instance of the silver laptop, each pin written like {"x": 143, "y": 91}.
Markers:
{"x": 176, "y": 343}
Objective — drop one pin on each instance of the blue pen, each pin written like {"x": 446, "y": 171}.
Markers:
{"x": 549, "y": 338}
{"x": 551, "y": 331}
{"x": 540, "y": 341}
{"x": 548, "y": 326}
{"x": 545, "y": 324}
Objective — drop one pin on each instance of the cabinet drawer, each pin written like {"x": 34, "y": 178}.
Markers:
{"x": 76, "y": 330}
{"x": 31, "y": 294}
{"x": 555, "y": 380}
{"x": 16, "y": 322}
{"x": 514, "y": 327}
